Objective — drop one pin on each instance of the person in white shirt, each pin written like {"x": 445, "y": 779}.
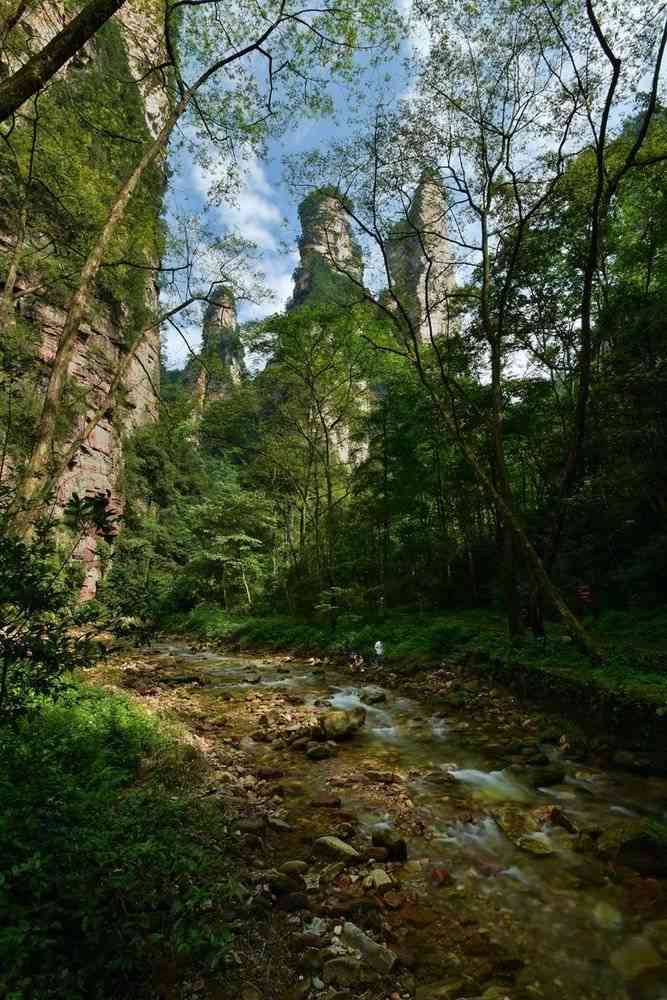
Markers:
{"x": 379, "y": 651}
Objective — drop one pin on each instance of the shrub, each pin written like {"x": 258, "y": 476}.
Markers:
{"x": 104, "y": 875}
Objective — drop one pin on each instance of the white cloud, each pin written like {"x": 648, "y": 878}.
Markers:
{"x": 278, "y": 270}
{"x": 175, "y": 349}
{"x": 256, "y": 216}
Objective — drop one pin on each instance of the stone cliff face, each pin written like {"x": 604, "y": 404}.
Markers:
{"x": 330, "y": 261}
{"x": 103, "y": 338}
{"x": 220, "y": 363}
{"x": 98, "y": 464}
{"x": 330, "y": 271}
{"x": 420, "y": 265}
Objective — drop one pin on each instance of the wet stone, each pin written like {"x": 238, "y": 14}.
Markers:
{"x": 635, "y": 956}
{"x": 290, "y": 789}
{"x": 251, "y": 824}
{"x": 331, "y": 872}
{"x": 380, "y": 958}
{"x": 319, "y": 751}
{"x": 281, "y": 883}
{"x": 333, "y": 847}
{"x": 378, "y": 881}
{"x": 269, "y": 773}
{"x": 294, "y": 868}
{"x": 376, "y": 854}
{"x": 372, "y": 694}
{"x": 342, "y": 723}
{"x": 325, "y": 801}
{"x": 391, "y": 840}
{"x": 344, "y": 971}
{"x": 279, "y": 825}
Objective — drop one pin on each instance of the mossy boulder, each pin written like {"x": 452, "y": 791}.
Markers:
{"x": 342, "y": 723}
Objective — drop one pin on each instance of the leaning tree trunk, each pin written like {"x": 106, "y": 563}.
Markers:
{"x": 37, "y": 477}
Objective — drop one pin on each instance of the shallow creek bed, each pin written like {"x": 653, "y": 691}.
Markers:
{"x": 447, "y": 845}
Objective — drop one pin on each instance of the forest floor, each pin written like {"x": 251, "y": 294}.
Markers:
{"x": 432, "y": 839}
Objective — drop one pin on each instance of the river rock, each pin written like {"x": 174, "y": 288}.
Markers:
{"x": 251, "y": 824}
{"x": 294, "y": 868}
{"x": 290, "y": 789}
{"x": 545, "y": 777}
{"x": 281, "y": 883}
{"x": 635, "y": 956}
{"x": 534, "y": 843}
{"x": 515, "y": 822}
{"x": 320, "y": 751}
{"x": 383, "y": 777}
{"x": 299, "y": 992}
{"x": 279, "y": 825}
{"x": 379, "y": 958}
{"x": 373, "y": 695}
{"x": 342, "y": 723}
{"x": 343, "y": 971}
{"x": 269, "y": 773}
{"x": 376, "y": 854}
{"x": 325, "y": 800}
{"x": 331, "y": 872}
{"x": 391, "y": 840}
{"x": 640, "y": 844}
{"x": 378, "y": 881}
{"x": 334, "y": 847}
{"x": 607, "y": 916}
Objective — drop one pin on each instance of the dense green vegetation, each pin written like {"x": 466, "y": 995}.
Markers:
{"x": 107, "y": 873}
{"x": 405, "y": 523}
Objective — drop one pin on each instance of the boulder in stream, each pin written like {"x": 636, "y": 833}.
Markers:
{"x": 544, "y": 777}
{"x": 341, "y": 723}
{"x": 334, "y": 847}
{"x": 373, "y": 695}
{"x": 394, "y": 844}
{"x": 379, "y": 958}
{"x": 640, "y": 844}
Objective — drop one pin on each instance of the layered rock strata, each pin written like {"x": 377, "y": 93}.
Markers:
{"x": 103, "y": 338}
{"x": 220, "y": 363}
{"x": 420, "y": 263}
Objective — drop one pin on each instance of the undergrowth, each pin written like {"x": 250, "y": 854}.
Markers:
{"x": 105, "y": 876}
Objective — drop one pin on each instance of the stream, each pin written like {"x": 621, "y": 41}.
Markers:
{"x": 494, "y": 857}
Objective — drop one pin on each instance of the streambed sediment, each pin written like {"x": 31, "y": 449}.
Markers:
{"x": 449, "y": 847}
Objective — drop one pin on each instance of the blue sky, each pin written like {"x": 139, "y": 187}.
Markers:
{"x": 265, "y": 210}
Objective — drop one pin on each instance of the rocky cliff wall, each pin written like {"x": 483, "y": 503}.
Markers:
{"x": 420, "y": 263}
{"x": 220, "y": 362}
{"x": 330, "y": 262}
{"x": 111, "y": 325}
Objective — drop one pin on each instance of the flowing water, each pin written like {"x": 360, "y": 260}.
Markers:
{"x": 581, "y": 933}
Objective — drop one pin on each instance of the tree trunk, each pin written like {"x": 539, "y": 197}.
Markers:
{"x": 35, "y": 479}
{"x": 33, "y": 77}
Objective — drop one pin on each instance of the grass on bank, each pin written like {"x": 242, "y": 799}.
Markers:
{"x": 635, "y": 643}
{"x": 105, "y": 878}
